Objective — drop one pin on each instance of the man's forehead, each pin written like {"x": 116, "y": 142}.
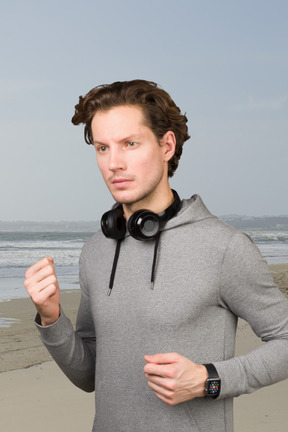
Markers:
{"x": 125, "y": 121}
{"x": 134, "y": 111}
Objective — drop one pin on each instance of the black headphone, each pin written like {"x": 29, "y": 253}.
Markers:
{"x": 142, "y": 225}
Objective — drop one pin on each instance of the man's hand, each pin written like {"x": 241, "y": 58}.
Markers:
{"x": 42, "y": 286}
{"x": 174, "y": 378}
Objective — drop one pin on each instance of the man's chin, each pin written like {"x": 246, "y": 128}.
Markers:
{"x": 122, "y": 197}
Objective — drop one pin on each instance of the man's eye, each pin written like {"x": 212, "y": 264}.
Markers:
{"x": 130, "y": 144}
{"x": 102, "y": 149}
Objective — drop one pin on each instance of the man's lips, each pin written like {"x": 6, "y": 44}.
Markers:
{"x": 120, "y": 182}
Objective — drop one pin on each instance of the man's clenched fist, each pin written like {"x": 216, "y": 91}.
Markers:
{"x": 42, "y": 286}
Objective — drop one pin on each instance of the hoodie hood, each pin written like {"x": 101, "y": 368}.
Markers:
{"x": 192, "y": 210}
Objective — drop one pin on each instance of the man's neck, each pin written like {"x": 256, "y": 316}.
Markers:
{"x": 155, "y": 202}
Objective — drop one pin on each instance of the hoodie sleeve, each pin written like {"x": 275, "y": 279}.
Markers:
{"x": 73, "y": 351}
{"x": 248, "y": 290}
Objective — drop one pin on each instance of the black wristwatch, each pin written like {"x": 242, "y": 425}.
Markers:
{"x": 213, "y": 383}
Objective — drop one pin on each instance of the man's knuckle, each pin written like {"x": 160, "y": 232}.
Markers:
{"x": 53, "y": 279}
{"x": 170, "y": 401}
{"x": 172, "y": 386}
{"x": 170, "y": 372}
{"x": 52, "y": 288}
{"x": 49, "y": 270}
{"x": 169, "y": 394}
{"x": 29, "y": 291}
{"x": 36, "y": 299}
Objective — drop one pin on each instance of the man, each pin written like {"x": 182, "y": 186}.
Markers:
{"x": 159, "y": 348}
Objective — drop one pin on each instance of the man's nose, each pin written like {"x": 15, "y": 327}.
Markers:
{"x": 116, "y": 160}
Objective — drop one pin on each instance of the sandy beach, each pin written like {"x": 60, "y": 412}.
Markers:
{"x": 36, "y": 395}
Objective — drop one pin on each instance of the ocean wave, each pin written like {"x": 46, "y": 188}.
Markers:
{"x": 269, "y": 236}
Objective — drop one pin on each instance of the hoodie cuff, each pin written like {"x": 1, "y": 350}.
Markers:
{"x": 56, "y": 333}
{"x": 233, "y": 383}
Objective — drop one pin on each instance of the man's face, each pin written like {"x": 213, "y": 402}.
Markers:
{"x": 129, "y": 156}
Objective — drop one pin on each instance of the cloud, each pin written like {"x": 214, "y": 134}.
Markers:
{"x": 22, "y": 86}
{"x": 253, "y": 104}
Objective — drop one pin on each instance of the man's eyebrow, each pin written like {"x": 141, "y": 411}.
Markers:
{"x": 132, "y": 137}
{"x": 98, "y": 143}
{"x": 125, "y": 139}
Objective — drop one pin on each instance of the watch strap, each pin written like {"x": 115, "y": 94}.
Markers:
{"x": 212, "y": 371}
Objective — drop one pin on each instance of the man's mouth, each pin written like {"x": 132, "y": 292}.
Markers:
{"x": 120, "y": 182}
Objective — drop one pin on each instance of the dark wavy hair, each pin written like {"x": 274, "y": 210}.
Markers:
{"x": 160, "y": 111}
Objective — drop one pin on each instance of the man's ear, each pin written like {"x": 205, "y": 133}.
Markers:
{"x": 168, "y": 143}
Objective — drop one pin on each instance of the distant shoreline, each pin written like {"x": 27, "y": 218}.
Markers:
{"x": 63, "y": 226}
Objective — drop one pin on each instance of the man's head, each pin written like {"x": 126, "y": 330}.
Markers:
{"x": 160, "y": 112}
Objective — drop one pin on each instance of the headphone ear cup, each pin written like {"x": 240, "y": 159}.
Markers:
{"x": 113, "y": 224}
{"x": 144, "y": 225}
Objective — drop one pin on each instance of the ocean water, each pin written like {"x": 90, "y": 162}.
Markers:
{"x": 19, "y": 250}
{"x": 272, "y": 244}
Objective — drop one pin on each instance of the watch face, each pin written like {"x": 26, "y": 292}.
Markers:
{"x": 213, "y": 388}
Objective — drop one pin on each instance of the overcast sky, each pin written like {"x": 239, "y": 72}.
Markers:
{"x": 225, "y": 63}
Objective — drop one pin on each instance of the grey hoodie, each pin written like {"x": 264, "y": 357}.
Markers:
{"x": 207, "y": 274}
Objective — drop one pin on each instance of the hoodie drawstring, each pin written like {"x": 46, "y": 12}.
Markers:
{"x": 155, "y": 259}
{"x": 115, "y": 261}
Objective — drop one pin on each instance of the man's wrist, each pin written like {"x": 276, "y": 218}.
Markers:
{"x": 204, "y": 377}
{"x": 47, "y": 321}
